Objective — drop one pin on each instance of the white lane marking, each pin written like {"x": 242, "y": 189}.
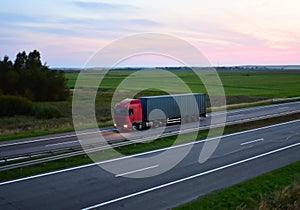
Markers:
{"x": 135, "y": 171}
{"x": 238, "y": 115}
{"x": 255, "y": 108}
{"x": 51, "y": 138}
{"x": 253, "y": 141}
{"x": 141, "y": 154}
{"x": 191, "y": 177}
{"x": 281, "y": 108}
{"x": 62, "y": 143}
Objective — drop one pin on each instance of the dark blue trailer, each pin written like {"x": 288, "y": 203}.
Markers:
{"x": 178, "y": 107}
{"x": 145, "y": 112}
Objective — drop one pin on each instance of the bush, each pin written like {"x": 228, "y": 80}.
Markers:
{"x": 46, "y": 112}
{"x": 287, "y": 198}
{"x": 15, "y": 105}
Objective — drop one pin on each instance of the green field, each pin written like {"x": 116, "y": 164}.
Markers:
{"x": 241, "y": 86}
{"x": 256, "y": 83}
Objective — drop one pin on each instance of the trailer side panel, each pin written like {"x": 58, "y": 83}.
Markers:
{"x": 173, "y": 106}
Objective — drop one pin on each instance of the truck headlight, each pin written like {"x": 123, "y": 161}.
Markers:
{"x": 125, "y": 126}
{"x": 115, "y": 125}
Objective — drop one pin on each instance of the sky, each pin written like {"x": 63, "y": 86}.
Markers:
{"x": 232, "y": 32}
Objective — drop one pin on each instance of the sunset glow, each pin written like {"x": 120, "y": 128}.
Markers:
{"x": 69, "y": 32}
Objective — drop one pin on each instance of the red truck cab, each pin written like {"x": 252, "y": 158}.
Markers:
{"x": 126, "y": 113}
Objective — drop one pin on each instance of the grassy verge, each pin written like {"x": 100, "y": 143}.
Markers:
{"x": 132, "y": 149}
{"x": 261, "y": 123}
{"x": 35, "y": 133}
{"x": 274, "y": 190}
{"x": 29, "y": 134}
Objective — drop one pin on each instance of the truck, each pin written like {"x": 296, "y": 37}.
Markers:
{"x": 154, "y": 111}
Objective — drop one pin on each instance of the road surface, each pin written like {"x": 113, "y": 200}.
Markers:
{"x": 238, "y": 157}
{"x": 68, "y": 140}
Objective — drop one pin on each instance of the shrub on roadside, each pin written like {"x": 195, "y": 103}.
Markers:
{"x": 47, "y": 112}
{"x": 288, "y": 198}
{"x": 17, "y": 105}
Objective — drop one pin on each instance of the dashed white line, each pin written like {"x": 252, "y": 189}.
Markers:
{"x": 253, "y": 141}
{"x": 50, "y": 138}
{"x": 136, "y": 171}
{"x": 189, "y": 177}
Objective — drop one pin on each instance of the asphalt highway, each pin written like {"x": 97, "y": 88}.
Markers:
{"x": 151, "y": 180}
{"x": 68, "y": 140}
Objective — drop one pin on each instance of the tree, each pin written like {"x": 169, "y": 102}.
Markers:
{"x": 5, "y": 64}
{"x": 12, "y": 79}
{"x": 20, "y": 62}
{"x": 28, "y": 77}
{"x": 33, "y": 61}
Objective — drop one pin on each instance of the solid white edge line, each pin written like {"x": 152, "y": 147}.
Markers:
{"x": 253, "y": 141}
{"x": 53, "y": 138}
{"x": 190, "y": 177}
{"x": 144, "y": 153}
{"x": 230, "y": 111}
{"x": 50, "y": 138}
{"x": 46, "y": 174}
{"x": 135, "y": 171}
{"x": 37, "y": 140}
{"x": 238, "y": 115}
{"x": 62, "y": 143}
{"x": 284, "y": 107}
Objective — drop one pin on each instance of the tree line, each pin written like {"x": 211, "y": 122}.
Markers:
{"x": 28, "y": 77}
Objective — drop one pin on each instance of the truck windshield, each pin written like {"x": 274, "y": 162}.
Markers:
{"x": 121, "y": 111}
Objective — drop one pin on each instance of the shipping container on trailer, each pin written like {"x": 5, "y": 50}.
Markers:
{"x": 174, "y": 106}
{"x": 154, "y": 111}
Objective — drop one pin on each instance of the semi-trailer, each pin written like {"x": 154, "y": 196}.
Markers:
{"x": 154, "y": 111}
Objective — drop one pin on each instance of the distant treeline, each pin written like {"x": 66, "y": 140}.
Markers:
{"x": 29, "y": 78}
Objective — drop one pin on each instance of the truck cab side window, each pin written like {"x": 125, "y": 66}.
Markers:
{"x": 130, "y": 111}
